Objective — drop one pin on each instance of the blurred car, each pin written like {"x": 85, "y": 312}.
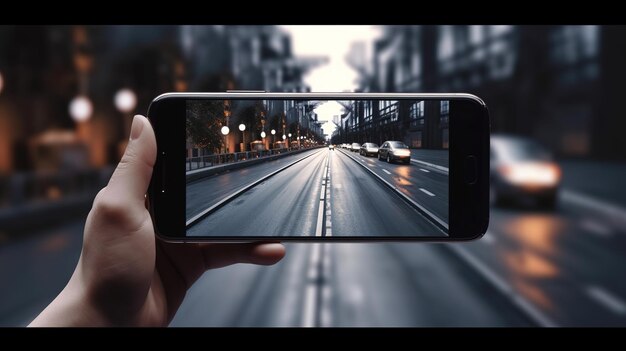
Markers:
{"x": 368, "y": 149}
{"x": 355, "y": 147}
{"x": 522, "y": 169}
{"x": 394, "y": 150}
{"x": 331, "y": 147}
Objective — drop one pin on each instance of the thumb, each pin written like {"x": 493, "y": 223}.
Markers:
{"x": 132, "y": 176}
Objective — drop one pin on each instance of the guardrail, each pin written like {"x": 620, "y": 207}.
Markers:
{"x": 200, "y": 162}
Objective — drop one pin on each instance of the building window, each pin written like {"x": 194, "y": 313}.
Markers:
{"x": 445, "y": 48}
{"x": 367, "y": 112}
{"x": 573, "y": 52}
{"x": 388, "y": 111}
{"x": 416, "y": 114}
{"x": 444, "y": 111}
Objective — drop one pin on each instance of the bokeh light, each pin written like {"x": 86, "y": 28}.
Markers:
{"x": 81, "y": 108}
{"x": 125, "y": 100}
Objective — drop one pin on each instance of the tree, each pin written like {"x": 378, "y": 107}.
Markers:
{"x": 205, "y": 119}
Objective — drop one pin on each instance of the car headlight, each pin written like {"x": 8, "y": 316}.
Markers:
{"x": 531, "y": 174}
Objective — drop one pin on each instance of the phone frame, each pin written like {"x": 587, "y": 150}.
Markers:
{"x": 469, "y": 131}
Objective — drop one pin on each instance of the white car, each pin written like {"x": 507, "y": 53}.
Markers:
{"x": 368, "y": 149}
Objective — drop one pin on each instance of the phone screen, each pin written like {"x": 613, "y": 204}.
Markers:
{"x": 295, "y": 168}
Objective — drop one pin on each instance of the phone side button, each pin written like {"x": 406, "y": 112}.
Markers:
{"x": 470, "y": 170}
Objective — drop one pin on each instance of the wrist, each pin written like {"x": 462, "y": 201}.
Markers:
{"x": 71, "y": 308}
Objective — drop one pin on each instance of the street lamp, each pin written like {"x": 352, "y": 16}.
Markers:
{"x": 242, "y": 127}
{"x": 125, "y": 100}
{"x": 81, "y": 108}
{"x": 273, "y": 131}
{"x": 263, "y": 134}
{"x": 225, "y": 129}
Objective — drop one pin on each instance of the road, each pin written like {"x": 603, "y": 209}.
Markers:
{"x": 321, "y": 192}
{"x": 562, "y": 268}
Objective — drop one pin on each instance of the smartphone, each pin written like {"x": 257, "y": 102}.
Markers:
{"x": 246, "y": 166}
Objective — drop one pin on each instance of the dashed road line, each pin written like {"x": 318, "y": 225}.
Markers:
{"x": 326, "y": 315}
{"x": 311, "y": 291}
{"x": 386, "y": 171}
{"x": 432, "y": 165}
{"x": 615, "y": 213}
{"x": 319, "y": 228}
{"x": 426, "y": 192}
{"x": 424, "y": 170}
{"x": 606, "y": 299}
{"x": 594, "y": 227}
{"x": 329, "y": 225}
{"x": 443, "y": 225}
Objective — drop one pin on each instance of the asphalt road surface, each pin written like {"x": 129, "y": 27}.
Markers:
{"x": 300, "y": 200}
{"x": 559, "y": 268}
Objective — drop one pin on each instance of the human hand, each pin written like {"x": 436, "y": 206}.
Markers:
{"x": 125, "y": 275}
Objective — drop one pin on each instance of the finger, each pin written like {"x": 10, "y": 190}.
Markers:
{"x": 220, "y": 255}
{"x": 132, "y": 176}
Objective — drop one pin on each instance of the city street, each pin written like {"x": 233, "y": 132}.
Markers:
{"x": 289, "y": 203}
{"x": 560, "y": 268}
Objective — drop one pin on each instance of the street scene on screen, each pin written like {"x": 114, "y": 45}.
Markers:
{"x": 317, "y": 168}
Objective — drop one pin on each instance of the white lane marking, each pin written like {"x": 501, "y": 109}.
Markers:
{"x": 595, "y": 227}
{"x": 325, "y": 298}
{"x": 606, "y": 299}
{"x": 329, "y": 215}
{"x": 310, "y": 293}
{"x": 386, "y": 171}
{"x": 531, "y": 311}
{"x": 296, "y": 280}
{"x": 616, "y": 213}
{"x": 424, "y": 170}
{"x": 426, "y": 192}
{"x": 320, "y": 207}
{"x": 488, "y": 238}
{"x": 441, "y": 168}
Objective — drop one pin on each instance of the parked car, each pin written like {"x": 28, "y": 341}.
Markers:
{"x": 394, "y": 150}
{"x": 521, "y": 169}
{"x": 355, "y": 147}
{"x": 368, "y": 149}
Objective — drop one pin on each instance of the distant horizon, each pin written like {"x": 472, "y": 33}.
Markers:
{"x": 333, "y": 41}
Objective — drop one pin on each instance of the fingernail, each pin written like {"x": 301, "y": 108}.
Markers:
{"x": 136, "y": 128}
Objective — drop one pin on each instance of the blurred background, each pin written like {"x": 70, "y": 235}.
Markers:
{"x": 555, "y": 251}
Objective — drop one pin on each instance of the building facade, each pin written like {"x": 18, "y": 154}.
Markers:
{"x": 557, "y": 84}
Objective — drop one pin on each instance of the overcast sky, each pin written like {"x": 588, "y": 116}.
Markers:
{"x": 333, "y": 42}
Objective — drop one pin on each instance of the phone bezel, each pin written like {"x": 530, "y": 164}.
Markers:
{"x": 468, "y": 136}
